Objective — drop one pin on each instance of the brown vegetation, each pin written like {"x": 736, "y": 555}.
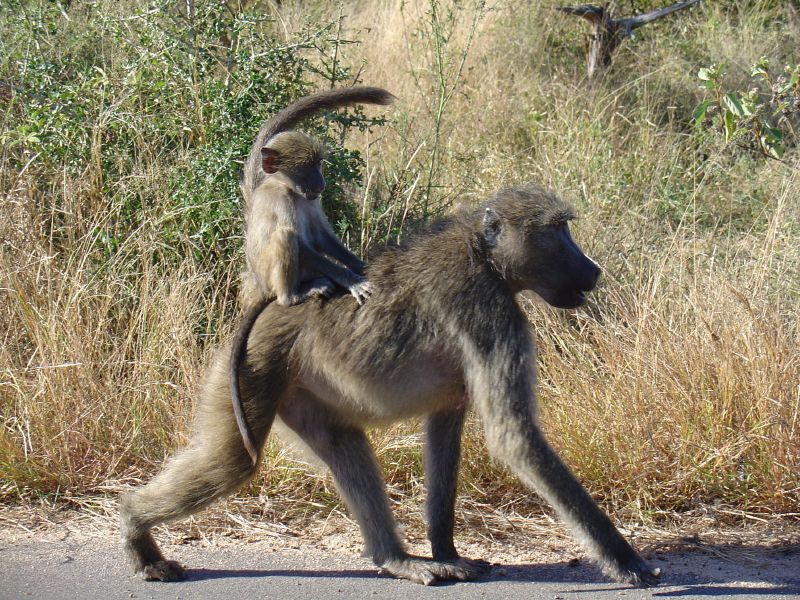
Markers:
{"x": 675, "y": 390}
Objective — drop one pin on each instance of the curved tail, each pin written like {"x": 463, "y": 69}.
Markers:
{"x": 294, "y": 113}
{"x": 238, "y": 350}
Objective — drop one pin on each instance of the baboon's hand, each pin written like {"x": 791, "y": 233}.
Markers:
{"x": 474, "y": 568}
{"x": 640, "y": 574}
{"x": 648, "y": 577}
{"x": 361, "y": 289}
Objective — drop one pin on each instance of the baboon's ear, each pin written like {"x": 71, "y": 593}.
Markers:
{"x": 491, "y": 227}
{"x": 269, "y": 160}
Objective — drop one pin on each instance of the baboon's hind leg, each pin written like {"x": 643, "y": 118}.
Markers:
{"x": 213, "y": 465}
{"x": 347, "y": 452}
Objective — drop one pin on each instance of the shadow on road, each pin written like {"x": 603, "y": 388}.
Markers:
{"x": 706, "y": 570}
{"x": 204, "y": 574}
{"x": 728, "y": 591}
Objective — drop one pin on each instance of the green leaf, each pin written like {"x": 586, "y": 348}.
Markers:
{"x": 773, "y": 147}
{"x": 712, "y": 75}
{"x": 761, "y": 68}
{"x": 790, "y": 82}
{"x": 730, "y": 125}
{"x": 775, "y": 134}
{"x": 734, "y": 103}
{"x": 699, "y": 113}
{"x": 706, "y": 73}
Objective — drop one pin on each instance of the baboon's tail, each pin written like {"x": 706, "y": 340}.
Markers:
{"x": 238, "y": 350}
{"x": 305, "y": 107}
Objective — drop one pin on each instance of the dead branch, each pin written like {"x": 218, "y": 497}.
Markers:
{"x": 608, "y": 32}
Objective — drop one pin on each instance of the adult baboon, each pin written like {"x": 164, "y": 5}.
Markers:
{"x": 443, "y": 319}
{"x": 288, "y": 240}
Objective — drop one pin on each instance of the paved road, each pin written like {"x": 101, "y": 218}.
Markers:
{"x": 91, "y": 568}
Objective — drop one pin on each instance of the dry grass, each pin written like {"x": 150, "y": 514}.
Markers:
{"x": 675, "y": 392}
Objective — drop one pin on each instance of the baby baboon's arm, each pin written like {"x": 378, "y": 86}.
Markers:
{"x": 316, "y": 263}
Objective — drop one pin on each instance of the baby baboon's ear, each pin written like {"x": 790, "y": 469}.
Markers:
{"x": 491, "y": 227}
{"x": 269, "y": 160}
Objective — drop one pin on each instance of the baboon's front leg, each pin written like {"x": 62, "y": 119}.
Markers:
{"x": 442, "y": 456}
{"x": 346, "y": 450}
{"x": 512, "y": 434}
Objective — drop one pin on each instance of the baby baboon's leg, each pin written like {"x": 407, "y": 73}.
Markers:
{"x": 214, "y": 464}
{"x": 346, "y": 451}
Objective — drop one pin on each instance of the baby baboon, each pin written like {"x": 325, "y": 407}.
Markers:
{"x": 288, "y": 235}
{"x": 443, "y": 319}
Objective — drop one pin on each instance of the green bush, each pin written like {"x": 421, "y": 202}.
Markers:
{"x": 760, "y": 120}
{"x": 190, "y": 88}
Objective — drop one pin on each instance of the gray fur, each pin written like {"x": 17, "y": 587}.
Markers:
{"x": 443, "y": 319}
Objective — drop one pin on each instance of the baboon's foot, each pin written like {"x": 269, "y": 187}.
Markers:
{"x": 427, "y": 571}
{"x": 144, "y": 555}
{"x": 638, "y": 573}
{"x": 477, "y": 567}
{"x": 163, "y": 570}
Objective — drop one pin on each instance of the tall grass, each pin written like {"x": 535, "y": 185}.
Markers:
{"x": 674, "y": 390}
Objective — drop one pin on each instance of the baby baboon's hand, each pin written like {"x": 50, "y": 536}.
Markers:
{"x": 360, "y": 290}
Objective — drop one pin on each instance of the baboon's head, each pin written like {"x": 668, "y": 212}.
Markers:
{"x": 298, "y": 157}
{"x": 527, "y": 238}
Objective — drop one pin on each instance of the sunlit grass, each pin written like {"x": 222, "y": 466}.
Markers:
{"x": 677, "y": 387}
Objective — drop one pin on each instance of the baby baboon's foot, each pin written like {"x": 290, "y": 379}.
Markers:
{"x": 163, "y": 570}
{"x": 427, "y": 572}
{"x": 321, "y": 287}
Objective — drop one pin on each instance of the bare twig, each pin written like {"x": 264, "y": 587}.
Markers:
{"x": 638, "y": 21}
{"x": 608, "y": 32}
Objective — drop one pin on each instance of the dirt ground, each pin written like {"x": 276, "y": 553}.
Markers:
{"x": 760, "y": 545}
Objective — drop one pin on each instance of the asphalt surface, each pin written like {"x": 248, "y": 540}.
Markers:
{"x": 87, "y": 568}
